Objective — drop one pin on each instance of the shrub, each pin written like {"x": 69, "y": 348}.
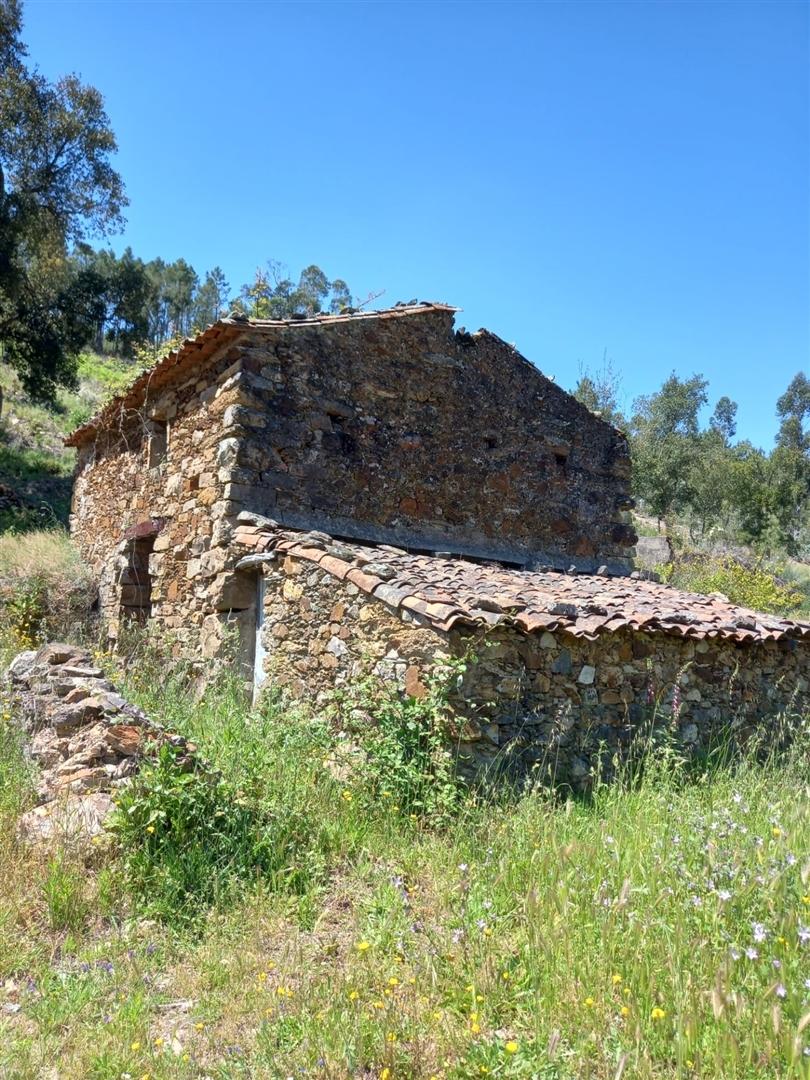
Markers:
{"x": 750, "y": 586}
{"x": 45, "y": 591}
{"x": 407, "y": 744}
{"x": 193, "y": 836}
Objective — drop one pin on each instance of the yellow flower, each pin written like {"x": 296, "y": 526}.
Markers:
{"x": 625, "y": 1010}
{"x": 658, "y": 1014}
{"x": 353, "y": 995}
{"x": 487, "y": 931}
{"x": 506, "y": 976}
{"x": 159, "y": 1040}
{"x": 363, "y": 946}
{"x": 347, "y": 796}
{"x": 616, "y": 979}
{"x": 437, "y": 1016}
{"x": 776, "y": 832}
{"x": 391, "y": 1037}
{"x": 689, "y": 1063}
{"x": 262, "y": 976}
{"x": 385, "y": 1074}
{"x": 475, "y": 1029}
{"x": 135, "y": 1047}
{"x": 150, "y": 828}
{"x": 626, "y": 991}
{"x": 589, "y": 1003}
{"x": 378, "y": 1005}
{"x": 199, "y": 1027}
{"x": 511, "y": 1047}
{"x": 393, "y": 982}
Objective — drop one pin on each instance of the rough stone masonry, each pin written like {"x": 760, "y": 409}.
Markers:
{"x": 397, "y": 437}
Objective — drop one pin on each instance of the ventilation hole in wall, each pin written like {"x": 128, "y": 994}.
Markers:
{"x": 157, "y": 442}
{"x": 135, "y": 581}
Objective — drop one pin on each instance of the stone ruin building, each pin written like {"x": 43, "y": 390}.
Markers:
{"x": 370, "y": 493}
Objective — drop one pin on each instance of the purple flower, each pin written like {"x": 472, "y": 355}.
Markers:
{"x": 751, "y": 954}
{"x": 758, "y": 931}
{"x": 781, "y": 992}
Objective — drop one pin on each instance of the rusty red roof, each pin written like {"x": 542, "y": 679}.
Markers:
{"x": 193, "y": 351}
{"x": 450, "y": 591}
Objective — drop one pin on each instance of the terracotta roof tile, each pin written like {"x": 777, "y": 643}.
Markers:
{"x": 448, "y": 591}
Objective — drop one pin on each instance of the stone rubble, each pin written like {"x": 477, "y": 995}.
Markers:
{"x": 85, "y": 738}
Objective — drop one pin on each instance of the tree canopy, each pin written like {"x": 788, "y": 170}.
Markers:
{"x": 57, "y": 186}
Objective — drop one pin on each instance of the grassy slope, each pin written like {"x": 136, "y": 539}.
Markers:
{"x": 35, "y": 467}
{"x": 528, "y": 939}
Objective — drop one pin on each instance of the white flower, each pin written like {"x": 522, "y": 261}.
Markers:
{"x": 781, "y": 992}
{"x": 759, "y": 932}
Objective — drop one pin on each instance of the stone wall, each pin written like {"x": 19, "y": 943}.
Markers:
{"x": 398, "y": 429}
{"x": 544, "y": 700}
{"x": 135, "y": 508}
{"x": 392, "y": 428}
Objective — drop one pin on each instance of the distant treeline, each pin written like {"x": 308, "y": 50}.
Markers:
{"x": 138, "y": 302}
{"x": 722, "y": 489}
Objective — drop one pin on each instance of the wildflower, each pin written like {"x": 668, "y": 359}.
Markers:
{"x": 393, "y": 982}
{"x": 135, "y": 1047}
{"x": 391, "y": 1037}
{"x": 346, "y": 796}
{"x": 804, "y": 934}
{"x": 150, "y": 828}
{"x": 759, "y": 932}
{"x": 385, "y": 1074}
{"x": 625, "y": 1010}
{"x": 589, "y": 1003}
{"x": 475, "y": 1028}
{"x": 199, "y": 1027}
{"x": 780, "y": 991}
{"x": 511, "y": 1047}
{"x": 159, "y": 1041}
{"x": 616, "y": 979}
{"x": 506, "y": 976}
{"x": 723, "y": 894}
{"x": 776, "y": 832}
{"x": 363, "y": 946}
{"x": 262, "y": 976}
{"x": 353, "y": 995}
{"x": 751, "y": 954}
{"x": 658, "y": 1013}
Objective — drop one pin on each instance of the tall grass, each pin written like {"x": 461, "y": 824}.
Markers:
{"x": 659, "y": 929}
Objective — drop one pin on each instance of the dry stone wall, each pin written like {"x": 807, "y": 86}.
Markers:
{"x": 85, "y": 739}
{"x": 552, "y": 702}
{"x": 399, "y": 429}
{"x": 392, "y": 428}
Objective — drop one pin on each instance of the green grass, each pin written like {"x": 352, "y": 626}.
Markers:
{"x": 34, "y": 463}
{"x": 526, "y": 937}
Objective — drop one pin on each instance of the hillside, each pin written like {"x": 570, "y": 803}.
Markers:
{"x": 35, "y": 467}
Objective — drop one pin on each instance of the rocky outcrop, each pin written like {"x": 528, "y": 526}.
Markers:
{"x": 84, "y": 737}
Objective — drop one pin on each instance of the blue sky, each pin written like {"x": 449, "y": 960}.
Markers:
{"x": 579, "y": 177}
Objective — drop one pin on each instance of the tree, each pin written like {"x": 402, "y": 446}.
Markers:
{"x": 56, "y": 186}
{"x": 665, "y": 445}
{"x": 792, "y": 408}
{"x": 273, "y": 295}
{"x": 211, "y": 299}
{"x": 724, "y": 418}
{"x": 599, "y": 392}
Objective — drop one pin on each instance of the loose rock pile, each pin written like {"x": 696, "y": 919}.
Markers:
{"x": 86, "y": 739}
